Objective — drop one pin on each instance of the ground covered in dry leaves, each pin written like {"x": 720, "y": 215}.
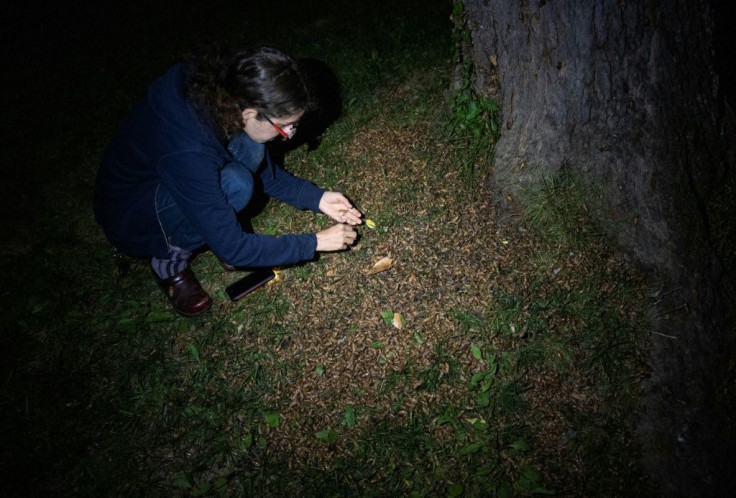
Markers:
{"x": 341, "y": 354}
{"x": 443, "y": 248}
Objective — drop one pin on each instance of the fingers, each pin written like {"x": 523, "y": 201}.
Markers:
{"x": 350, "y": 213}
{"x": 347, "y": 235}
{"x": 335, "y": 238}
{"x": 350, "y": 236}
{"x": 339, "y": 208}
{"x": 352, "y": 216}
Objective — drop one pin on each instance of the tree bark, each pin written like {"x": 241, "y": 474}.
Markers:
{"x": 624, "y": 96}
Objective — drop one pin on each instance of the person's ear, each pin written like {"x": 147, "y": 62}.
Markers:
{"x": 249, "y": 114}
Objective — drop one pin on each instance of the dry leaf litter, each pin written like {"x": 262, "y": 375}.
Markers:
{"x": 440, "y": 250}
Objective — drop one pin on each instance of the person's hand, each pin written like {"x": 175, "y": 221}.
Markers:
{"x": 336, "y": 238}
{"x": 338, "y": 207}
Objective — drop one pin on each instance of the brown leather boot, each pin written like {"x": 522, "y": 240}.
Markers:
{"x": 185, "y": 293}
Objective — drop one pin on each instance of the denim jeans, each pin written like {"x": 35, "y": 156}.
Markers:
{"x": 237, "y": 182}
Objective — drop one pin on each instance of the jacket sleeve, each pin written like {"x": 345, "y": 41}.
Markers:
{"x": 288, "y": 188}
{"x": 194, "y": 182}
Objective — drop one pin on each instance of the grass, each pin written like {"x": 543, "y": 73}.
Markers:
{"x": 516, "y": 371}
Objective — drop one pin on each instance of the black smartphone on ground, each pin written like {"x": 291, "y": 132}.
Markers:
{"x": 249, "y": 283}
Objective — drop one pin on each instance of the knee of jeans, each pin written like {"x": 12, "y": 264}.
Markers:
{"x": 246, "y": 151}
{"x": 237, "y": 183}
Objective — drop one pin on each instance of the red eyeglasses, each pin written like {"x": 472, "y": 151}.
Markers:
{"x": 278, "y": 128}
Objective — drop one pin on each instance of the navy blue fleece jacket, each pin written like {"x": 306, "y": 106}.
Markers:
{"x": 163, "y": 141}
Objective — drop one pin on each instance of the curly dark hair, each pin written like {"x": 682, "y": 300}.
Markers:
{"x": 222, "y": 83}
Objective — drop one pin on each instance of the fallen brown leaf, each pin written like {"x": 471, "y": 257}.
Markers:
{"x": 382, "y": 264}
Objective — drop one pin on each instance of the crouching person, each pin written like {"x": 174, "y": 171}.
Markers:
{"x": 187, "y": 160}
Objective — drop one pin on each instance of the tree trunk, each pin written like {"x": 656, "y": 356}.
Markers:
{"x": 623, "y": 94}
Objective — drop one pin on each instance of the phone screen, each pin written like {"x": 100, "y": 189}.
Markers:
{"x": 249, "y": 283}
